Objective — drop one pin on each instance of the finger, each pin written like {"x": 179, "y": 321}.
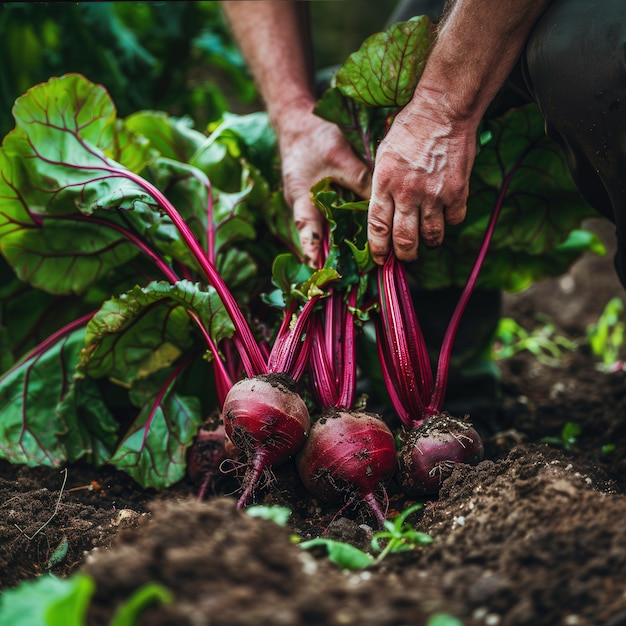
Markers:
{"x": 379, "y": 228}
{"x": 455, "y": 213}
{"x": 355, "y": 176}
{"x": 308, "y": 222}
{"x": 431, "y": 223}
{"x": 406, "y": 231}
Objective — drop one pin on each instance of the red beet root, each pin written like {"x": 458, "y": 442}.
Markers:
{"x": 432, "y": 449}
{"x": 267, "y": 421}
{"x": 348, "y": 455}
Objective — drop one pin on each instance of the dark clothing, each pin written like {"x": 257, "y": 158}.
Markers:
{"x": 575, "y": 66}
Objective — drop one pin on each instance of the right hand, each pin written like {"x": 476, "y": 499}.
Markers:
{"x": 421, "y": 178}
{"x": 311, "y": 149}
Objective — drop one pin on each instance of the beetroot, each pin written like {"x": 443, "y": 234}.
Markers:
{"x": 348, "y": 455}
{"x": 431, "y": 451}
{"x": 434, "y": 441}
{"x": 268, "y": 421}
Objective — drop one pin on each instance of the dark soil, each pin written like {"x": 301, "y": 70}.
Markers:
{"x": 534, "y": 535}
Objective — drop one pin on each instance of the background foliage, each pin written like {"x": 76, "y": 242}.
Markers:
{"x": 172, "y": 56}
{"x": 177, "y": 57}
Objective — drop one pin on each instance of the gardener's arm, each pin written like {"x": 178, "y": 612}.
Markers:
{"x": 275, "y": 40}
{"x": 421, "y": 176}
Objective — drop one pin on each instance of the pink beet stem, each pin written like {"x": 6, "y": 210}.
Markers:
{"x": 255, "y": 364}
{"x": 439, "y": 392}
{"x": 287, "y": 349}
{"x": 347, "y": 367}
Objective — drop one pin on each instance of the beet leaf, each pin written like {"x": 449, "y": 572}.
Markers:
{"x": 153, "y": 451}
{"x": 387, "y": 66}
{"x": 94, "y": 207}
{"x": 146, "y": 329}
{"x": 41, "y": 402}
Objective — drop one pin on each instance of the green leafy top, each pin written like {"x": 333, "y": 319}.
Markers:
{"x": 386, "y": 68}
{"x": 126, "y": 301}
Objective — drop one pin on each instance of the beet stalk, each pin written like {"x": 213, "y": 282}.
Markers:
{"x": 270, "y": 425}
{"x": 349, "y": 455}
{"x": 433, "y": 441}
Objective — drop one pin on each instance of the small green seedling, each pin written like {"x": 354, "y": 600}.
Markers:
{"x": 130, "y": 611}
{"x": 277, "y": 514}
{"x": 543, "y": 342}
{"x": 606, "y": 336}
{"x": 568, "y": 437}
{"x": 65, "y": 601}
{"x": 443, "y": 619}
{"x": 399, "y": 535}
{"x": 607, "y": 449}
{"x": 344, "y": 555}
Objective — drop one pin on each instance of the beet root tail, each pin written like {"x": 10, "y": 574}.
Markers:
{"x": 253, "y": 476}
{"x": 372, "y": 502}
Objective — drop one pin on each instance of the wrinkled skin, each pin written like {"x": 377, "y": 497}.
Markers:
{"x": 312, "y": 149}
{"x": 421, "y": 179}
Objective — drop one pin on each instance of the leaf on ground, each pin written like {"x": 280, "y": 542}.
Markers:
{"x": 31, "y": 426}
{"x": 48, "y": 601}
{"x": 154, "y": 450}
{"x": 92, "y": 430}
{"x": 345, "y": 555}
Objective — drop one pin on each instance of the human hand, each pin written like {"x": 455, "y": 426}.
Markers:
{"x": 421, "y": 177}
{"x": 311, "y": 149}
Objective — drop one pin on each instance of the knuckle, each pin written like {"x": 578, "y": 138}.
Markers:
{"x": 433, "y": 238}
{"x": 303, "y": 222}
{"x": 403, "y": 241}
{"x": 406, "y": 255}
{"x": 377, "y": 227}
{"x": 455, "y": 217}
{"x": 432, "y": 229}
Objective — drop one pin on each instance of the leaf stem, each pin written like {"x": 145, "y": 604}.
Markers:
{"x": 255, "y": 364}
{"x": 443, "y": 366}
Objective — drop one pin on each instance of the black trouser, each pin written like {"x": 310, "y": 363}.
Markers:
{"x": 575, "y": 65}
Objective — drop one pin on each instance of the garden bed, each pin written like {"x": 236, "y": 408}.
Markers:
{"x": 532, "y": 535}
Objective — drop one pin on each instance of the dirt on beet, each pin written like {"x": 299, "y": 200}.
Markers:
{"x": 533, "y": 535}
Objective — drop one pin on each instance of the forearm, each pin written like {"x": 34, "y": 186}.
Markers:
{"x": 274, "y": 38}
{"x": 423, "y": 166}
{"x": 477, "y": 46}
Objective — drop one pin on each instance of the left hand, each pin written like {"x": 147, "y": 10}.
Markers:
{"x": 311, "y": 149}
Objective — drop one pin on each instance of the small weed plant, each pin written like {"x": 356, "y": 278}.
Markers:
{"x": 543, "y": 341}
{"x": 606, "y": 336}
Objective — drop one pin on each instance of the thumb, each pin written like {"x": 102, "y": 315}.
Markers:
{"x": 355, "y": 176}
{"x": 308, "y": 222}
